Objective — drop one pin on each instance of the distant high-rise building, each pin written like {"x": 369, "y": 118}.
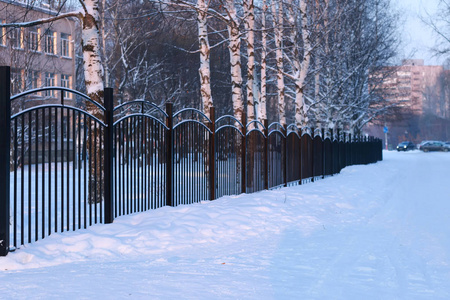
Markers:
{"x": 424, "y": 93}
{"x": 418, "y": 87}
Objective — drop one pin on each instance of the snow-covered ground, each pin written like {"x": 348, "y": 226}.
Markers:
{"x": 380, "y": 231}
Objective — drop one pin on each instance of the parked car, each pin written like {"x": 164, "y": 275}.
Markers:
{"x": 405, "y": 146}
{"x": 425, "y": 142}
{"x": 435, "y": 146}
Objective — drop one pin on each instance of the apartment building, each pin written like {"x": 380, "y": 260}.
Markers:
{"x": 423, "y": 91}
{"x": 39, "y": 56}
{"x": 419, "y": 87}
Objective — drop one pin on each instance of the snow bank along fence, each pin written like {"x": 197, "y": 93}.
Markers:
{"x": 62, "y": 168}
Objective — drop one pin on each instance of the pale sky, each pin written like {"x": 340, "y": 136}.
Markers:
{"x": 417, "y": 38}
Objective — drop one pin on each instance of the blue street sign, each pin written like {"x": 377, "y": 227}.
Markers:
{"x": 385, "y": 129}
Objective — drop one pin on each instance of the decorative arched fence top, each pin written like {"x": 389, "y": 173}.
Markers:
{"x": 60, "y": 101}
{"x": 140, "y": 108}
{"x": 228, "y": 121}
{"x": 255, "y": 126}
{"x": 276, "y": 128}
{"x": 306, "y": 131}
{"x": 192, "y": 115}
{"x": 293, "y": 129}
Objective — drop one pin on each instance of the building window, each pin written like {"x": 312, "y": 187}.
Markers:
{"x": 50, "y": 81}
{"x": 33, "y": 80}
{"x": 15, "y": 37}
{"x": 16, "y": 81}
{"x": 65, "y": 82}
{"x": 65, "y": 45}
{"x": 33, "y": 40}
{"x": 50, "y": 42}
{"x": 3, "y": 36}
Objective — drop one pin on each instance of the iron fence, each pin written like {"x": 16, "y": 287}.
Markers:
{"x": 63, "y": 168}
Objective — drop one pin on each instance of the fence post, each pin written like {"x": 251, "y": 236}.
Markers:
{"x": 338, "y": 151}
{"x": 244, "y": 154}
{"x": 285, "y": 155}
{"x": 323, "y": 154}
{"x": 312, "y": 151}
{"x": 350, "y": 150}
{"x": 266, "y": 156}
{"x": 169, "y": 155}
{"x": 212, "y": 155}
{"x": 5, "y": 137}
{"x": 109, "y": 155}
{"x": 300, "y": 154}
{"x": 332, "y": 152}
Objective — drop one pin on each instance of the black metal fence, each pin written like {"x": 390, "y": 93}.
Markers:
{"x": 62, "y": 168}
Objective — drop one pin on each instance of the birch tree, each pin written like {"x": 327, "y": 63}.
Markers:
{"x": 234, "y": 47}
{"x": 299, "y": 58}
{"x": 277, "y": 15}
{"x": 263, "y": 92}
{"x": 205, "y": 68}
{"x": 249, "y": 21}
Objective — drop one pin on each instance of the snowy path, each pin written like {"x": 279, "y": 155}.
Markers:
{"x": 372, "y": 232}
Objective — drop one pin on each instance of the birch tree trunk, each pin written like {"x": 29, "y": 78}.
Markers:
{"x": 204, "y": 69}
{"x": 301, "y": 67}
{"x": 249, "y": 22}
{"x": 235, "y": 60}
{"x": 93, "y": 74}
{"x": 90, "y": 41}
{"x": 263, "y": 93}
{"x": 278, "y": 30}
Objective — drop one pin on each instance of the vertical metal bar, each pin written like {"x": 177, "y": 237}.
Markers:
{"x": 108, "y": 156}
{"x": 122, "y": 168}
{"x": 79, "y": 155}
{"x": 323, "y": 153}
{"x": 96, "y": 179}
{"x": 116, "y": 194}
{"x": 340, "y": 148}
{"x": 22, "y": 181}
{"x": 62, "y": 166}
{"x": 169, "y": 155}
{"x": 266, "y": 156}
{"x": 243, "y": 154}
{"x": 49, "y": 165}
{"x": 144, "y": 163}
{"x": 212, "y": 155}
{"x": 74, "y": 137}
{"x": 86, "y": 157}
{"x": 188, "y": 195}
{"x": 36, "y": 177}
{"x": 29, "y": 175}
{"x": 300, "y": 155}
{"x": 43, "y": 173}
{"x": 90, "y": 176}
{"x": 16, "y": 146}
{"x": 55, "y": 187}
{"x": 284, "y": 158}
{"x": 151, "y": 162}
{"x": 312, "y": 153}
{"x": 138, "y": 163}
{"x": 128, "y": 175}
{"x": 101, "y": 168}
{"x": 67, "y": 125}
{"x": 5, "y": 140}
{"x": 132, "y": 165}
{"x": 331, "y": 164}
{"x": 120, "y": 163}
